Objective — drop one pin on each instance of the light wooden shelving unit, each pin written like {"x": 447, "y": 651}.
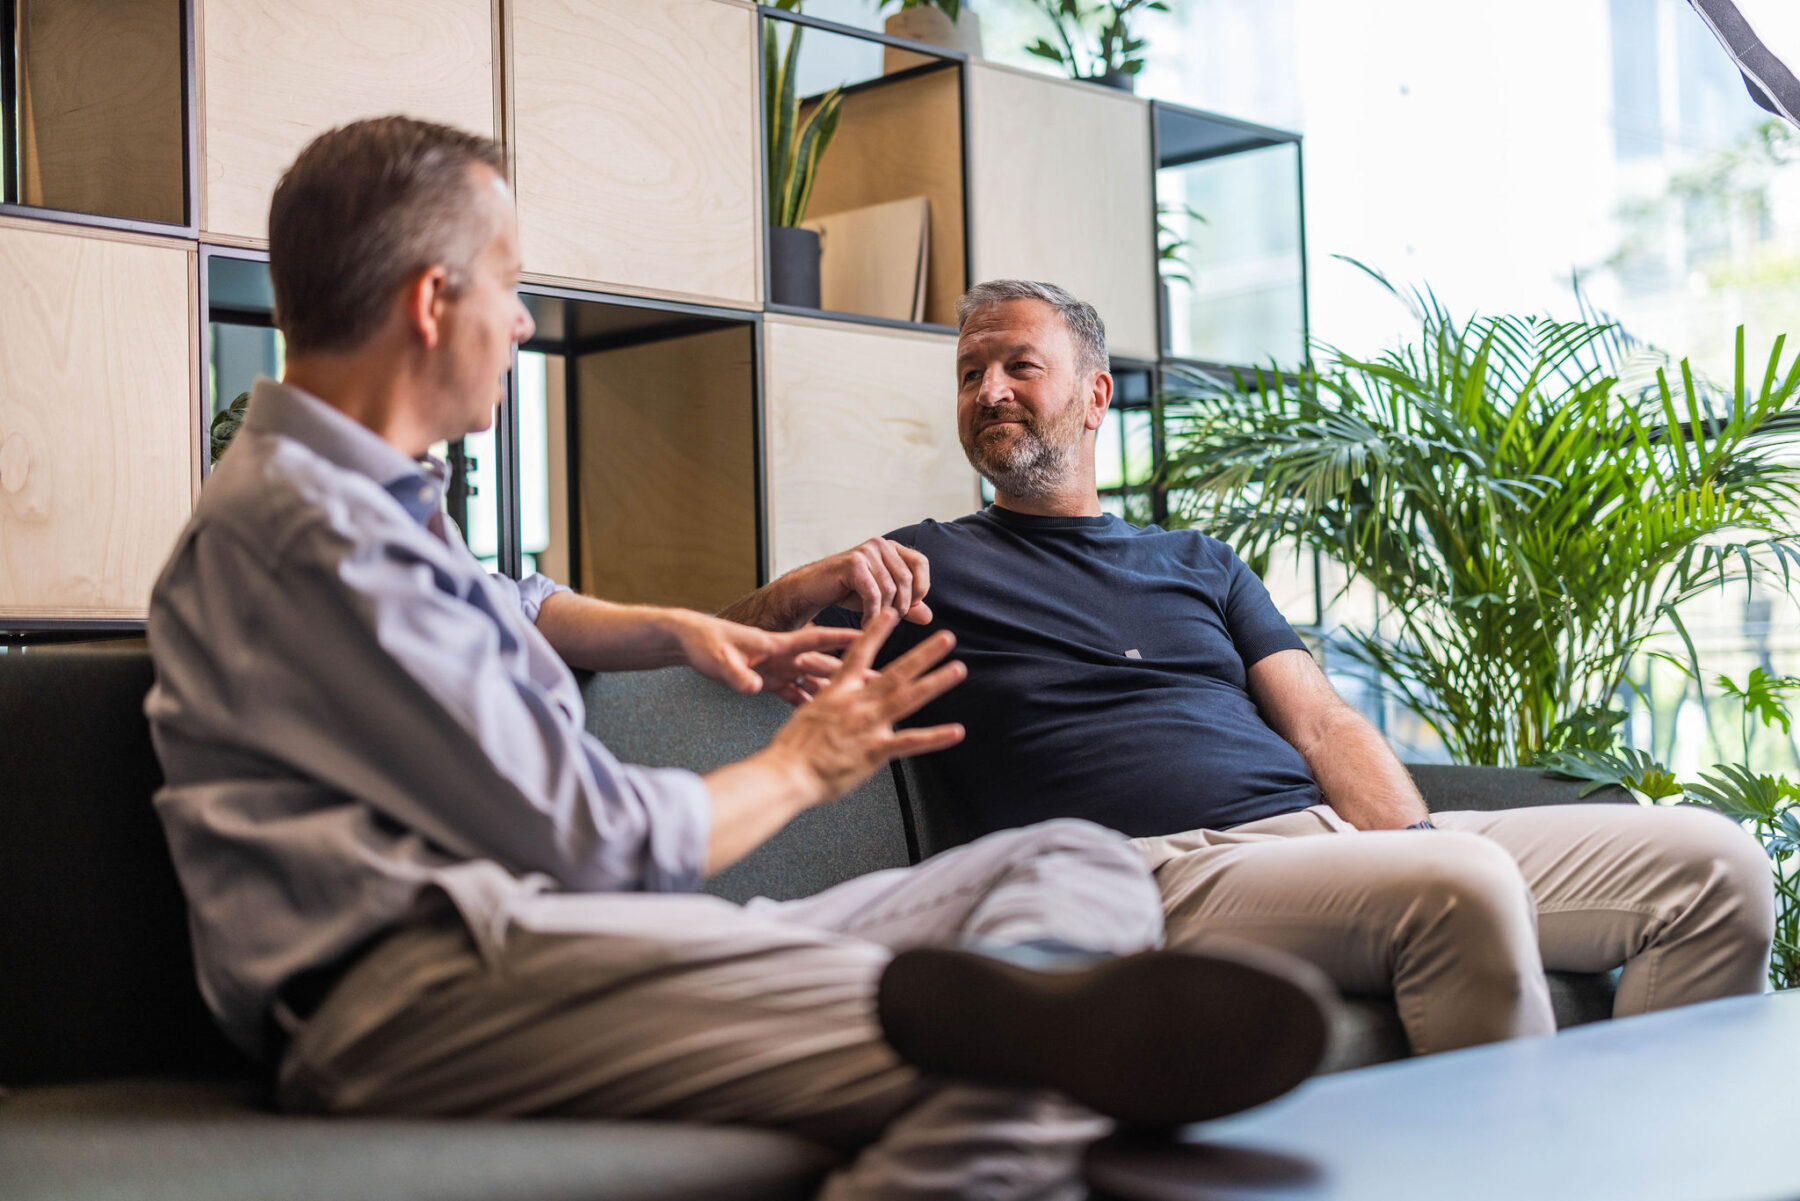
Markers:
{"x": 703, "y": 439}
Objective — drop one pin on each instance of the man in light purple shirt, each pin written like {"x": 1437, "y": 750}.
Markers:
{"x": 418, "y": 886}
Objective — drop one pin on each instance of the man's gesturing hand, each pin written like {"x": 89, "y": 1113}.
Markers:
{"x": 792, "y": 665}
{"x": 833, "y": 744}
{"x": 848, "y": 731}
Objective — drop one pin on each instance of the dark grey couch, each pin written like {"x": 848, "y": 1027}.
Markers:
{"x": 116, "y": 1084}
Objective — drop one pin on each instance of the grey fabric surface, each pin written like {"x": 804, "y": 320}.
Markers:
{"x": 170, "y": 1141}
{"x": 1454, "y": 786}
{"x": 1367, "y": 1030}
{"x": 676, "y": 718}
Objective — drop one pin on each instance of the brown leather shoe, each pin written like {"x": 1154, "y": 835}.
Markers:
{"x": 1158, "y": 1038}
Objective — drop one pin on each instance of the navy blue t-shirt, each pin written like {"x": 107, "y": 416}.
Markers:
{"x": 1106, "y": 674}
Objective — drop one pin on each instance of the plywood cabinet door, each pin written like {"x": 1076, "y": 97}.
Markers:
{"x": 1060, "y": 189}
{"x": 276, "y": 73}
{"x": 860, "y": 435}
{"x": 636, "y": 143}
{"x": 97, "y": 421}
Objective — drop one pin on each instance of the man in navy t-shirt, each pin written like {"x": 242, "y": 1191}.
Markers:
{"x": 1142, "y": 678}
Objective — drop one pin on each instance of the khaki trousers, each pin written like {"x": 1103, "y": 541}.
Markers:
{"x": 692, "y": 1008}
{"x": 1460, "y": 922}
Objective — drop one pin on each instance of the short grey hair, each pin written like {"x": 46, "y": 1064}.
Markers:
{"x": 1081, "y": 319}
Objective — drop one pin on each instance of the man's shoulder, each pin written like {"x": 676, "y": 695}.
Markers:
{"x": 269, "y": 493}
{"x": 970, "y": 528}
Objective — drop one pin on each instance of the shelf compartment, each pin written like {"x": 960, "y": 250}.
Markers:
{"x": 899, "y": 139}
{"x": 649, "y": 479}
{"x": 95, "y": 109}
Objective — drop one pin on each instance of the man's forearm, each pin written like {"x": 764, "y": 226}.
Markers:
{"x": 598, "y": 635}
{"x": 781, "y": 604}
{"x": 1360, "y": 776}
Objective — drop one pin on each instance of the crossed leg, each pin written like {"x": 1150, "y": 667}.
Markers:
{"x": 691, "y": 1008}
{"x": 1460, "y": 922}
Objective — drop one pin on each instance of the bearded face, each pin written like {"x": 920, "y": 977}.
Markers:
{"x": 1023, "y": 454}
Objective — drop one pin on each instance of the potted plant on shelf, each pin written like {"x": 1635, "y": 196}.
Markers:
{"x": 937, "y": 22}
{"x": 1531, "y": 501}
{"x": 795, "y": 147}
{"x": 1095, "y": 42}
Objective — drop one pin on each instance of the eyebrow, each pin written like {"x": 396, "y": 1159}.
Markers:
{"x": 1015, "y": 348}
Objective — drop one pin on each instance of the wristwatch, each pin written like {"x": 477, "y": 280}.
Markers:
{"x": 1424, "y": 825}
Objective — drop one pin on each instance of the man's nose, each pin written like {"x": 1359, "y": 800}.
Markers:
{"x": 994, "y": 388}
{"x": 523, "y": 325}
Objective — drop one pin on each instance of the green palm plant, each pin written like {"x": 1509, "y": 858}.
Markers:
{"x": 1529, "y": 502}
{"x": 795, "y": 144}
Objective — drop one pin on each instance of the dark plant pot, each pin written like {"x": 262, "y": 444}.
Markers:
{"x": 794, "y": 266}
{"x": 1121, "y": 80}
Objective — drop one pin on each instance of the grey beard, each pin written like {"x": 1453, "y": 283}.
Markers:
{"x": 1034, "y": 469}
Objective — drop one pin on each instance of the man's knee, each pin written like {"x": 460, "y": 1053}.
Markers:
{"x": 1726, "y": 868}
{"x": 1467, "y": 880}
{"x": 1072, "y": 836}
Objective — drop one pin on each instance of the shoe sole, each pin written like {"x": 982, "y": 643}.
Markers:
{"x": 1160, "y": 1038}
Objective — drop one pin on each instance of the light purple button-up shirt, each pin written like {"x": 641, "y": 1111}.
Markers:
{"x": 349, "y": 711}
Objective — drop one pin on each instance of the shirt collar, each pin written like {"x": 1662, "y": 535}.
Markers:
{"x": 289, "y": 412}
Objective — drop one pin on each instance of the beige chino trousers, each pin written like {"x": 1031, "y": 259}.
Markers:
{"x": 692, "y": 1008}
{"x": 1460, "y": 922}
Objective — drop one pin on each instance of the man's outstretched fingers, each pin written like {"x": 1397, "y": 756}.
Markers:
{"x": 907, "y": 743}
{"x": 909, "y": 696}
{"x": 812, "y": 639}
{"x": 859, "y": 656}
{"x": 921, "y": 658}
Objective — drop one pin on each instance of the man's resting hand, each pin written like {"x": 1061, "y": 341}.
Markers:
{"x": 869, "y": 577}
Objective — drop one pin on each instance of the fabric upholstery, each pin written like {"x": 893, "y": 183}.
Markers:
{"x": 675, "y": 718}
{"x": 97, "y": 979}
{"x": 165, "y": 1141}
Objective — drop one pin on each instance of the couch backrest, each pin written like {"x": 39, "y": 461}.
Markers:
{"x": 96, "y": 976}
{"x": 95, "y": 973}
{"x": 675, "y": 718}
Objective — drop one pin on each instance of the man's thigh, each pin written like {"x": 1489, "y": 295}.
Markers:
{"x": 1347, "y": 900}
{"x": 1607, "y": 878}
{"x": 613, "y": 1007}
{"x": 1065, "y": 880}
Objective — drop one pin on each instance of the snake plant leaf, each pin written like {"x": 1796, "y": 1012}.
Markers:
{"x": 821, "y": 127}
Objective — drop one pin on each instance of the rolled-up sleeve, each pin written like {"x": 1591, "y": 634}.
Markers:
{"x": 531, "y": 592}
{"x": 417, "y": 697}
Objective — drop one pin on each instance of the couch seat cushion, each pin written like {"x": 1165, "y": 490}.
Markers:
{"x": 176, "y": 1141}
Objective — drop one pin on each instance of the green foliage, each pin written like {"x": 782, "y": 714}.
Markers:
{"x": 225, "y": 425}
{"x": 1767, "y": 805}
{"x": 950, "y": 8}
{"x": 1530, "y": 500}
{"x": 795, "y": 144}
{"x": 1626, "y": 768}
{"x": 1171, "y": 246}
{"x": 1093, "y": 39}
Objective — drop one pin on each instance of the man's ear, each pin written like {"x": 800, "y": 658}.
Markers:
{"x": 1099, "y": 399}
{"x": 425, "y": 299}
